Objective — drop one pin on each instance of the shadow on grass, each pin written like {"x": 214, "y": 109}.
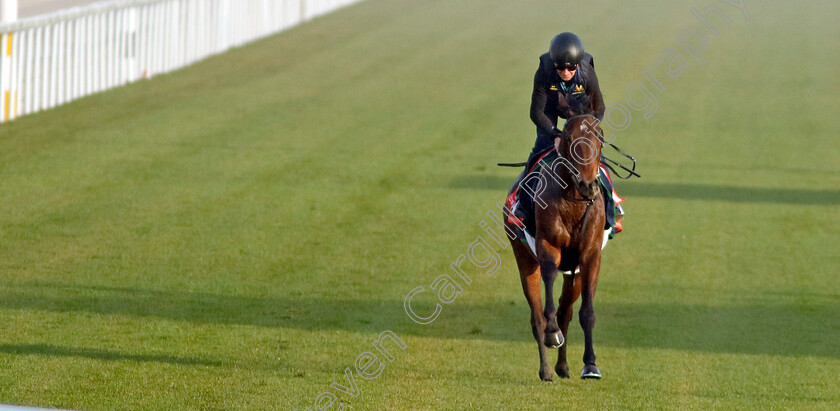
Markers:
{"x": 96, "y": 354}
{"x": 680, "y": 191}
{"x": 732, "y": 194}
{"x": 769, "y": 325}
{"x": 764, "y": 329}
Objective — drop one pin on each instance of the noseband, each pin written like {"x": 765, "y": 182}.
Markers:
{"x": 583, "y": 199}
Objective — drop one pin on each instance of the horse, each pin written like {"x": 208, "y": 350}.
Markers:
{"x": 569, "y": 231}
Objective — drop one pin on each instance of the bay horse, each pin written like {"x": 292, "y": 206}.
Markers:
{"x": 569, "y": 231}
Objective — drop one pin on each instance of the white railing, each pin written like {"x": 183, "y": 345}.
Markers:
{"x": 48, "y": 60}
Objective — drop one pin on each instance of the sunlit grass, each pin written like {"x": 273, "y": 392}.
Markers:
{"x": 234, "y": 235}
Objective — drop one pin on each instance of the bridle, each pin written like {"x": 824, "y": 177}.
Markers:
{"x": 597, "y": 193}
{"x": 588, "y": 200}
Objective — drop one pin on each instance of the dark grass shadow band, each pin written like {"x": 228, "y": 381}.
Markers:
{"x": 97, "y": 354}
{"x": 765, "y": 324}
{"x": 684, "y": 191}
{"x": 679, "y": 191}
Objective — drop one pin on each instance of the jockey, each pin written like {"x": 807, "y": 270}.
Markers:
{"x": 565, "y": 85}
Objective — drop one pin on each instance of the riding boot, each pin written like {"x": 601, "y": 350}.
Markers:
{"x": 517, "y": 213}
{"x": 612, "y": 207}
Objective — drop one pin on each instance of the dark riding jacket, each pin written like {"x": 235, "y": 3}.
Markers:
{"x": 553, "y": 97}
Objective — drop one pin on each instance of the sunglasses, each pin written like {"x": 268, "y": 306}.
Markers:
{"x": 564, "y": 68}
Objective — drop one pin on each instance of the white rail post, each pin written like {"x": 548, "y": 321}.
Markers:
{"x": 50, "y": 60}
{"x": 8, "y": 11}
{"x": 8, "y": 14}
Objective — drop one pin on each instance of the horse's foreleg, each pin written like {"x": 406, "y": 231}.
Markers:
{"x": 571, "y": 292}
{"x": 529, "y": 275}
{"x": 531, "y": 287}
{"x": 589, "y": 282}
{"x": 549, "y": 260}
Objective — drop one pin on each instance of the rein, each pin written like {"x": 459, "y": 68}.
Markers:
{"x": 630, "y": 172}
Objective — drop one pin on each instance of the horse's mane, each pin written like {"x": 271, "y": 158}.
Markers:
{"x": 579, "y": 104}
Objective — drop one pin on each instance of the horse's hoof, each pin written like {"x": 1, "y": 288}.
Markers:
{"x": 562, "y": 372}
{"x": 545, "y": 375}
{"x": 554, "y": 340}
{"x": 590, "y": 371}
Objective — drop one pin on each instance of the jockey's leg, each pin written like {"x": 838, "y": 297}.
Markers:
{"x": 519, "y": 201}
{"x": 612, "y": 206}
{"x": 514, "y": 203}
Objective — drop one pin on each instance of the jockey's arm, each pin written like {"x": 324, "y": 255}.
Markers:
{"x": 596, "y": 99}
{"x": 539, "y": 97}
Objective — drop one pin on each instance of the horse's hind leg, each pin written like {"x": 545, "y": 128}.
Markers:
{"x": 529, "y": 274}
{"x": 571, "y": 292}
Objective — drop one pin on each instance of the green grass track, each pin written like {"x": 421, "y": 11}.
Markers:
{"x": 235, "y": 234}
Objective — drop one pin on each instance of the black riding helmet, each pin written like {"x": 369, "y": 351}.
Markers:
{"x": 566, "y": 49}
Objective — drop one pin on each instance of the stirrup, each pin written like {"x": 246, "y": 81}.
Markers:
{"x": 619, "y": 215}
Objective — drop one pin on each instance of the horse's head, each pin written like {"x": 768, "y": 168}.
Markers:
{"x": 582, "y": 141}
